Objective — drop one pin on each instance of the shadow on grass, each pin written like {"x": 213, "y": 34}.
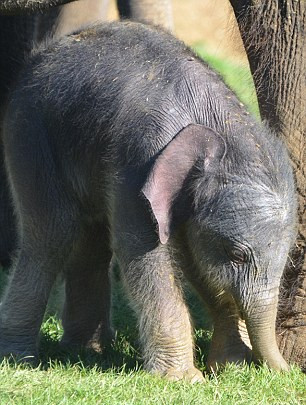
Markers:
{"x": 124, "y": 353}
{"x": 118, "y": 356}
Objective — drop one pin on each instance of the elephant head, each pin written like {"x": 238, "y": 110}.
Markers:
{"x": 233, "y": 197}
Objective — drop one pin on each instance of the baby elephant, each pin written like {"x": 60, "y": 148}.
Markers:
{"x": 120, "y": 141}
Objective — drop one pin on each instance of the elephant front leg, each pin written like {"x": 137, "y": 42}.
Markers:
{"x": 153, "y": 286}
{"x": 165, "y": 329}
{"x": 230, "y": 341}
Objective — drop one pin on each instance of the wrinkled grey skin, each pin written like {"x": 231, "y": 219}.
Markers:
{"x": 156, "y": 162}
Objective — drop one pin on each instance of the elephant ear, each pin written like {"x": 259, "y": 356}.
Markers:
{"x": 172, "y": 166}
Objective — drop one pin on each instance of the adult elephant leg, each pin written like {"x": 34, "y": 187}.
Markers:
{"x": 273, "y": 33}
{"x": 157, "y": 12}
{"x": 75, "y": 15}
{"x": 16, "y": 37}
{"x": 7, "y": 220}
{"x": 86, "y": 315}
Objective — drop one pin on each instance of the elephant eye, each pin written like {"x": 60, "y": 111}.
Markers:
{"x": 236, "y": 254}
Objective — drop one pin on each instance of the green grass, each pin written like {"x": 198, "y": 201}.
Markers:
{"x": 77, "y": 384}
{"x": 116, "y": 376}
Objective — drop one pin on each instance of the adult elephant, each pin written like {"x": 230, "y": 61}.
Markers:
{"x": 273, "y": 33}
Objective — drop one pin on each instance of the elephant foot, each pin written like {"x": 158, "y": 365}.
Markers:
{"x": 191, "y": 375}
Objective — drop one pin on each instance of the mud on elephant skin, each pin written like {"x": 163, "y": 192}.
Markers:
{"x": 158, "y": 161}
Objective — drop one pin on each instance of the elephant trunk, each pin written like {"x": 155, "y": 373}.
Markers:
{"x": 261, "y": 328}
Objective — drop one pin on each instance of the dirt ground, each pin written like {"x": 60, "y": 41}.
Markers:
{"x": 210, "y": 22}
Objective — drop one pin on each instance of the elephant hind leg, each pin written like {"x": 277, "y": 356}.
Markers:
{"x": 42, "y": 254}
{"x": 86, "y": 315}
{"x": 47, "y": 225}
